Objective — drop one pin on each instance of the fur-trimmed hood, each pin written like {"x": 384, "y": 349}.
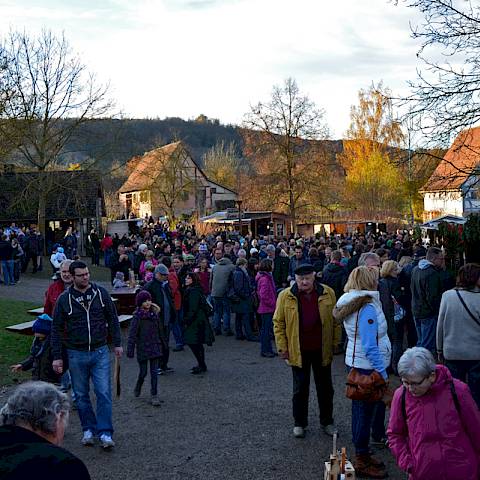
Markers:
{"x": 352, "y": 302}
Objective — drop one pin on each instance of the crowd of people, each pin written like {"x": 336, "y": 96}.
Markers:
{"x": 384, "y": 301}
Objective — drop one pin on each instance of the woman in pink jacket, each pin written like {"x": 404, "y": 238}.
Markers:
{"x": 267, "y": 298}
{"x": 434, "y": 427}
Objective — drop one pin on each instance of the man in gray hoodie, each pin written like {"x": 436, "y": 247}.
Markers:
{"x": 427, "y": 289}
{"x": 219, "y": 282}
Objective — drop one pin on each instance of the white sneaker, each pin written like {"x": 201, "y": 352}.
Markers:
{"x": 298, "y": 432}
{"x": 329, "y": 429}
{"x": 88, "y": 439}
{"x": 106, "y": 441}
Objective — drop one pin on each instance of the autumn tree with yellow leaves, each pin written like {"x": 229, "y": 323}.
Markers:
{"x": 373, "y": 186}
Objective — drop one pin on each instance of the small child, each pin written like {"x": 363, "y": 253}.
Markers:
{"x": 146, "y": 334}
{"x": 119, "y": 280}
{"x": 56, "y": 258}
{"x": 149, "y": 269}
{"x": 40, "y": 358}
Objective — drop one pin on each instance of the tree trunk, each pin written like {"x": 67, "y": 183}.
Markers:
{"x": 42, "y": 206}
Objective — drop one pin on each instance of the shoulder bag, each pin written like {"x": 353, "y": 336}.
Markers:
{"x": 365, "y": 387}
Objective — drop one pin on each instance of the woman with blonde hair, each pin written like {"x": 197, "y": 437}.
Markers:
{"x": 368, "y": 350}
{"x": 390, "y": 293}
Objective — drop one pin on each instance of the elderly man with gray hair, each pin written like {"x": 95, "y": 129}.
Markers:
{"x": 32, "y": 426}
{"x": 434, "y": 427}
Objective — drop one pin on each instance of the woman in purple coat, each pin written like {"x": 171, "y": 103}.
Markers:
{"x": 267, "y": 296}
{"x": 146, "y": 334}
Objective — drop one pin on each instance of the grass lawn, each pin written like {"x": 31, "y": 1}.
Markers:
{"x": 13, "y": 347}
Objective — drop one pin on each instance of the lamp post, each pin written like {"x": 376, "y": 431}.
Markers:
{"x": 239, "y": 202}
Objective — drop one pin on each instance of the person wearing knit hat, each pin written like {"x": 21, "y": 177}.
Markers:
{"x": 142, "y": 296}
{"x": 145, "y": 335}
{"x": 40, "y": 358}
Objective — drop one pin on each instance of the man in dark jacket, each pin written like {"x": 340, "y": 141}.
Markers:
{"x": 280, "y": 266}
{"x": 335, "y": 275}
{"x": 297, "y": 261}
{"x": 6, "y": 257}
{"x": 162, "y": 296}
{"x": 120, "y": 262}
{"x": 83, "y": 319}
{"x": 427, "y": 290}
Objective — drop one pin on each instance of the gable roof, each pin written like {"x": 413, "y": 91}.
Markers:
{"x": 147, "y": 168}
{"x": 458, "y": 163}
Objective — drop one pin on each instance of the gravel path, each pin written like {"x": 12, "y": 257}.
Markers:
{"x": 233, "y": 422}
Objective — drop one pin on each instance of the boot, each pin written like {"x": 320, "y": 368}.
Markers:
{"x": 365, "y": 468}
{"x": 155, "y": 401}
{"x": 138, "y": 388}
{"x": 376, "y": 462}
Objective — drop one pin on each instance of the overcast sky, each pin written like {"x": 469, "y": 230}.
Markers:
{"x": 185, "y": 57}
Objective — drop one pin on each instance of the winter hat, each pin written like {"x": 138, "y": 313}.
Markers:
{"x": 142, "y": 296}
{"x": 119, "y": 276}
{"x": 43, "y": 324}
{"x": 203, "y": 247}
{"x": 60, "y": 250}
{"x": 189, "y": 257}
{"x": 142, "y": 247}
{"x": 162, "y": 269}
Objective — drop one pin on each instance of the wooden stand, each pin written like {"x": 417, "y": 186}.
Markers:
{"x": 338, "y": 467}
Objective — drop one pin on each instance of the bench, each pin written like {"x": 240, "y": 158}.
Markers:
{"x": 25, "y": 328}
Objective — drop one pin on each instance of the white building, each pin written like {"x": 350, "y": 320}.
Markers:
{"x": 454, "y": 187}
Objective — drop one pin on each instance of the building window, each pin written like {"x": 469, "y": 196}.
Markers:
{"x": 144, "y": 196}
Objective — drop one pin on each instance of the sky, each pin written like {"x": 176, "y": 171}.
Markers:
{"x": 182, "y": 58}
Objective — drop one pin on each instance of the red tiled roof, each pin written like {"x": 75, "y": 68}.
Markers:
{"x": 458, "y": 163}
{"x": 148, "y": 168}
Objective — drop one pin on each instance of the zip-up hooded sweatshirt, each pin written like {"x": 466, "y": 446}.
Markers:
{"x": 84, "y": 321}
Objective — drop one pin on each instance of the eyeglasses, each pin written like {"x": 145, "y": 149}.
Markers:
{"x": 414, "y": 384}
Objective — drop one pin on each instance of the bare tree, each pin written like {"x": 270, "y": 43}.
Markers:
{"x": 445, "y": 96}
{"x": 288, "y": 123}
{"x": 51, "y": 95}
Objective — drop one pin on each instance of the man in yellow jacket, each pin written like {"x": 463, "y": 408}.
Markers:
{"x": 305, "y": 335}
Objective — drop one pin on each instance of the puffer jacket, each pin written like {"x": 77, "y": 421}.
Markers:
{"x": 145, "y": 334}
{"x": 266, "y": 291}
{"x": 220, "y": 275}
{"x": 286, "y": 324}
{"x": 346, "y": 310}
{"x": 437, "y": 441}
{"x": 80, "y": 328}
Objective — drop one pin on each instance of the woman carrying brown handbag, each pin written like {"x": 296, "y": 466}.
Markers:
{"x": 368, "y": 353}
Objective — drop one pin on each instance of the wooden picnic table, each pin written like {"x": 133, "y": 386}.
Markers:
{"x": 126, "y": 299}
{"x": 25, "y": 328}
{"x": 39, "y": 311}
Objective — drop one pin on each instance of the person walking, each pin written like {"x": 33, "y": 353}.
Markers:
{"x": 222, "y": 271}
{"x": 241, "y": 297}
{"x": 390, "y": 293}
{"x": 195, "y": 317}
{"x": 434, "y": 426}
{"x": 94, "y": 241}
{"x": 145, "y": 334}
{"x": 83, "y": 318}
{"x": 368, "y": 351}
{"x": 267, "y": 298}
{"x": 161, "y": 294}
{"x": 6, "y": 258}
{"x": 427, "y": 289}
{"x": 458, "y": 329}
{"x": 305, "y": 335}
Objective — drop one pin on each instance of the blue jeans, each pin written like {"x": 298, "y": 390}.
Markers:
{"x": 242, "y": 326}
{"x": 367, "y": 417}
{"x": 221, "y": 309}
{"x": 94, "y": 365}
{"x": 426, "y": 333}
{"x": 177, "y": 329}
{"x": 7, "y": 268}
{"x": 265, "y": 332}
